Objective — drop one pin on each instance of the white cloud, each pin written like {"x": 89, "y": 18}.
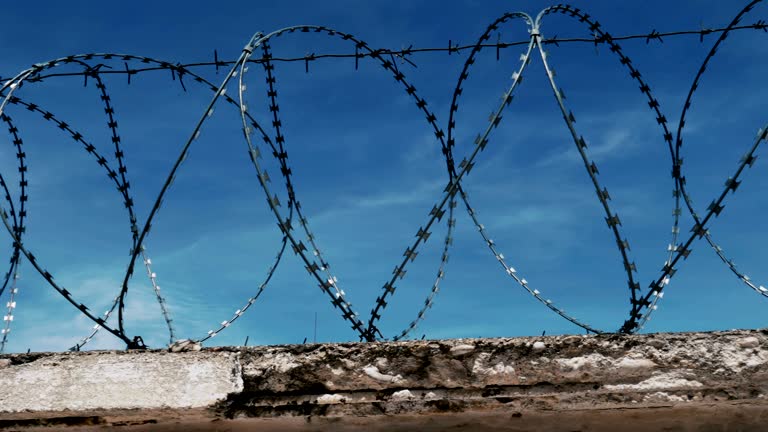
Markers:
{"x": 45, "y": 326}
{"x": 614, "y": 143}
{"x": 420, "y": 193}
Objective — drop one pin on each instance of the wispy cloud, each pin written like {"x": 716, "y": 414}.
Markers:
{"x": 425, "y": 149}
{"x": 614, "y": 143}
{"x": 421, "y": 192}
{"x": 36, "y": 329}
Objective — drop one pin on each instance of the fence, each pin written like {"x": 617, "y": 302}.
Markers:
{"x": 294, "y": 225}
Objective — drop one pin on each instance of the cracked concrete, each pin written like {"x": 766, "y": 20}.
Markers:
{"x": 595, "y": 380}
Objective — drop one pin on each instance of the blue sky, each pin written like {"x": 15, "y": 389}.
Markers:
{"x": 367, "y": 169}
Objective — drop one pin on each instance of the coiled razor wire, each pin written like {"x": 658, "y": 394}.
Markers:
{"x": 18, "y": 226}
{"x": 302, "y": 241}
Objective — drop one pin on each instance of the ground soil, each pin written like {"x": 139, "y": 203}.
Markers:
{"x": 723, "y": 417}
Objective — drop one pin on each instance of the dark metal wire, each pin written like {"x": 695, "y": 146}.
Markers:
{"x": 304, "y": 243}
{"x": 716, "y": 206}
{"x": 18, "y": 226}
{"x": 404, "y": 54}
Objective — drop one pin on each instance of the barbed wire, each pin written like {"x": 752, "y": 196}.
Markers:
{"x": 301, "y": 238}
{"x": 404, "y": 53}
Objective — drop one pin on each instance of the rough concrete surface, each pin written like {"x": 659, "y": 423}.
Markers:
{"x": 118, "y": 380}
{"x": 672, "y": 382}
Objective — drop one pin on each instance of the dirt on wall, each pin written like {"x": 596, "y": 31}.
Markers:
{"x": 673, "y": 382}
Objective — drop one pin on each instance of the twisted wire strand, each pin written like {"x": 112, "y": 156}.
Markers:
{"x": 77, "y": 136}
{"x": 507, "y": 98}
{"x": 278, "y": 152}
{"x": 122, "y": 183}
{"x": 221, "y": 90}
{"x": 12, "y": 275}
{"x": 731, "y": 183}
{"x": 612, "y": 218}
{"x": 109, "y": 111}
{"x": 390, "y": 65}
{"x": 180, "y": 72}
{"x": 10, "y": 87}
{"x": 123, "y": 170}
{"x": 699, "y": 228}
{"x": 23, "y": 196}
{"x": 405, "y": 52}
{"x": 329, "y": 281}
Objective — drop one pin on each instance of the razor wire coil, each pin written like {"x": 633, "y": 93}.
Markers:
{"x": 301, "y": 238}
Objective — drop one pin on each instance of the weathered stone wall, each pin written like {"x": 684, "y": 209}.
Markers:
{"x": 686, "y": 381}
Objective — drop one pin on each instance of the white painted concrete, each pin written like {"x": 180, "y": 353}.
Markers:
{"x": 112, "y": 380}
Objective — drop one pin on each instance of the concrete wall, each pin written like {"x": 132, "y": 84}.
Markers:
{"x": 687, "y": 381}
